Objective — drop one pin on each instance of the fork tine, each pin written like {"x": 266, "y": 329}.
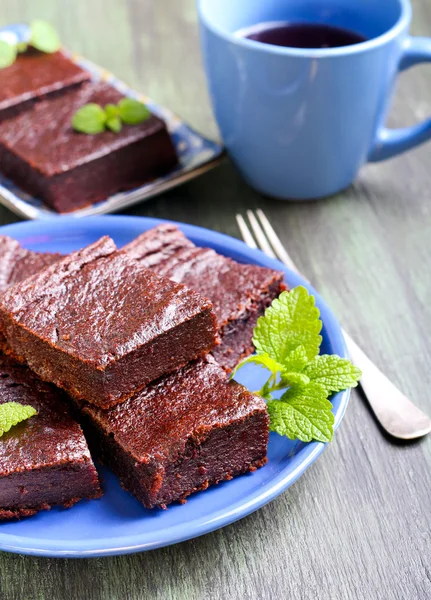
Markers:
{"x": 276, "y": 242}
{"x": 245, "y": 232}
{"x": 260, "y": 236}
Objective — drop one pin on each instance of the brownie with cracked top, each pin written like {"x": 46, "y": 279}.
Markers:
{"x": 34, "y": 76}
{"x": 101, "y": 326}
{"x": 68, "y": 170}
{"x": 44, "y": 461}
{"x": 18, "y": 263}
{"x": 240, "y": 293}
{"x": 180, "y": 434}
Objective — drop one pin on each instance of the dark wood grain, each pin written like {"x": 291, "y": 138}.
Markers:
{"x": 357, "y": 524}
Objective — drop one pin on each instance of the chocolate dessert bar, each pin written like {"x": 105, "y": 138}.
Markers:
{"x": 44, "y": 461}
{"x": 40, "y": 151}
{"x": 34, "y": 76}
{"x": 101, "y": 326}
{"x": 239, "y": 293}
{"x": 181, "y": 434}
{"x": 18, "y": 263}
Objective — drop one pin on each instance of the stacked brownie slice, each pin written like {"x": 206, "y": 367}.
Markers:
{"x": 44, "y": 461}
{"x": 42, "y": 153}
{"x": 180, "y": 434}
{"x": 35, "y": 76}
{"x": 17, "y": 263}
{"x": 131, "y": 348}
{"x": 102, "y": 327}
{"x": 239, "y": 293}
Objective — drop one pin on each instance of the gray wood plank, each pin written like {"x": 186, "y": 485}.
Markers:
{"x": 357, "y": 524}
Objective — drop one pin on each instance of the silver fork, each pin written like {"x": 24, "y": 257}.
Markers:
{"x": 395, "y": 412}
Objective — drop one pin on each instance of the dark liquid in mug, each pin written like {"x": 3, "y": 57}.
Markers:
{"x": 303, "y": 35}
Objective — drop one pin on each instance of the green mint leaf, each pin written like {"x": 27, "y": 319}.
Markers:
{"x": 93, "y": 119}
{"x": 303, "y": 412}
{"x": 132, "y": 112}
{"x": 263, "y": 360}
{"x": 12, "y": 413}
{"x": 287, "y": 340}
{"x": 292, "y": 320}
{"x": 288, "y": 379}
{"x": 333, "y": 373}
{"x": 43, "y": 37}
{"x": 90, "y": 119}
{"x": 7, "y": 54}
{"x": 114, "y": 124}
{"x": 111, "y": 111}
{"x": 296, "y": 360}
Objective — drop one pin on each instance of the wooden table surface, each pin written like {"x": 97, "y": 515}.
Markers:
{"x": 357, "y": 524}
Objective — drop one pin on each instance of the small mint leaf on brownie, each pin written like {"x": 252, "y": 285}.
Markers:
{"x": 43, "y": 37}
{"x": 114, "y": 124}
{"x": 111, "y": 111}
{"x": 7, "y": 54}
{"x": 12, "y": 413}
{"x": 132, "y": 112}
{"x": 93, "y": 119}
{"x": 90, "y": 119}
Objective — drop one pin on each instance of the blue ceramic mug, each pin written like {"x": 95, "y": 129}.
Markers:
{"x": 299, "y": 123}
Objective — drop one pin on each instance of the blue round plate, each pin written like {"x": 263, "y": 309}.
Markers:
{"x": 118, "y": 524}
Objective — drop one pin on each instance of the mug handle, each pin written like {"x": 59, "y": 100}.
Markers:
{"x": 390, "y": 142}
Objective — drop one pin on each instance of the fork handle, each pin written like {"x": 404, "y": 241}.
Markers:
{"x": 397, "y": 415}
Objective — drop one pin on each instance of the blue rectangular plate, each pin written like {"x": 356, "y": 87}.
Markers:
{"x": 196, "y": 153}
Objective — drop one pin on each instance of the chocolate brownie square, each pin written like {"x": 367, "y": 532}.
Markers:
{"x": 45, "y": 460}
{"x": 18, "y": 263}
{"x": 36, "y": 75}
{"x": 181, "y": 434}
{"x": 101, "y": 326}
{"x": 240, "y": 293}
{"x": 41, "y": 152}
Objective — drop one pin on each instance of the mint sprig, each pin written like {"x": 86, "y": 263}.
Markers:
{"x": 12, "y": 413}
{"x": 92, "y": 118}
{"x": 43, "y": 37}
{"x": 287, "y": 341}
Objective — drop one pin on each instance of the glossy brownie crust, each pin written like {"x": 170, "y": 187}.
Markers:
{"x": 45, "y": 460}
{"x": 70, "y": 170}
{"x": 34, "y": 76}
{"x": 239, "y": 293}
{"x": 183, "y": 433}
{"x": 101, "y": 326}
{"x": 18, "y": 263}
